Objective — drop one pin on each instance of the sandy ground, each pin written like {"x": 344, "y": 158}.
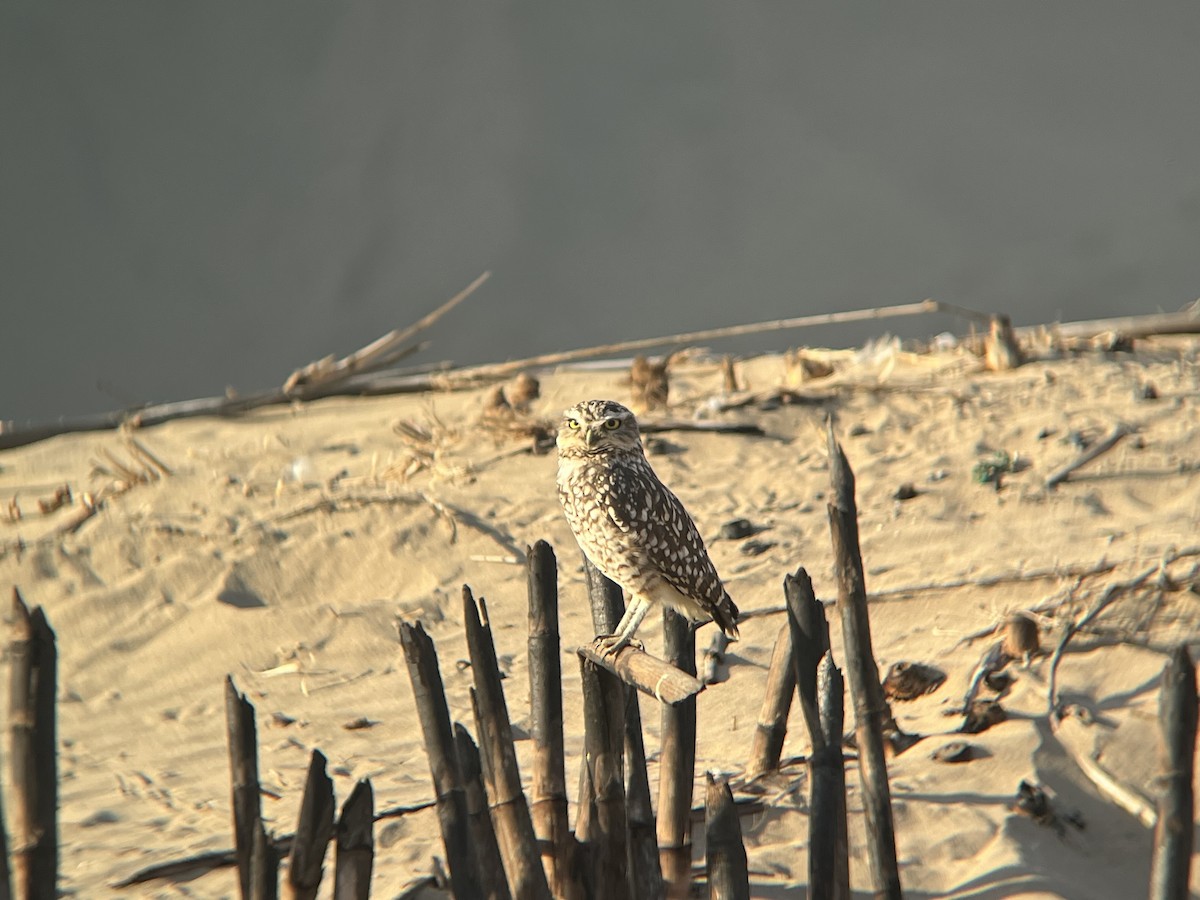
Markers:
{"x": 285, "y": 544}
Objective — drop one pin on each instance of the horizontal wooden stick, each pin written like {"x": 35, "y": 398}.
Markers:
{"x": 647, "y": 673}
{"x": 1101, "y": 446}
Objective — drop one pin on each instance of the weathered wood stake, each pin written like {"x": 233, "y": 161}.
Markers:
{"x": 725, "y": 855}
{"x": 677, "y": 762}
{"x": 548, "y": 792}
{"x": 483, "y": 836}
{"x": 1173, "y": 833}
{"x": 604, "y": 746}
{"x": 264, "y": 865}
{"x": 771, "y": 730}
{"x": 355, "y": 845}
{"x": 247, "y": 803}
{"x": 828, "y": 840}
{"x": 510, "y": 810}
{"x": 645, "y": 874}
{"x": 430, "y": 696}
{"x": 810, "y": 640}
{"x": 869, "y": 707}
{"x": 306, "y": 864}
{"x": 32, "y": 688}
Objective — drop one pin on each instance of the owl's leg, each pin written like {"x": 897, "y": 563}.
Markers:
{"x": 608, "y": 644}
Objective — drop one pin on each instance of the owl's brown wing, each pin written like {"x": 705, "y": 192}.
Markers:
{"x": 665, "y": 537}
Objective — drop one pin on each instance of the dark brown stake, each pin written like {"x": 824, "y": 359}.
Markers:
{"x": 828, "y": 840}
{"x": 243, "y": 767}
{"x": 355, "y": 845}
{"x": 430, "y": 696}
{"x": 645, "y": 873}
{"x": 510, "y": 811}
{"x": 771, "y": 730}
{"x": 548, "y": 792}
{"x": 1174, "y": 829}
{"x": 677, "y": 763}
{"x": 314, "y": 829}
{"x": 264, "y": 866}
{"x": 728, "y": 877}
{"x": 870, "y": 710}
{"x": 483, "y": 837}
{"x": 604, "y": 748}
{"x": 810, "y": 640}
{"x": 32, "y": 688}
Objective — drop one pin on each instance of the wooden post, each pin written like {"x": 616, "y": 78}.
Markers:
{"x": 32, "y": 688}
{"x": 645, "y": 873}
{"x": 548, "y": 791}
{"x": 430, "y": 696}
{"x": 355, "y": 845}
{"x": 264, "y": 865}
{"x": 769, "y": 734}
{"x": 676, "y": 763}
{"x": 725, "y": 855}
{"x": 510, "y": 811}
{"x": 1174, "y": 830}
{"x": 828, "y": 840}
{"x": 243, "y": 766}
{"x": 314, "y": 829}
{"x": 810, "y": 640}
{"x": 483, "y": 836}
{"x": 604, "y": 746}
{"x": 869, "y": 707}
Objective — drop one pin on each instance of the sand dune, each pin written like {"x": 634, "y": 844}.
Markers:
{"x": 285, "y": 544}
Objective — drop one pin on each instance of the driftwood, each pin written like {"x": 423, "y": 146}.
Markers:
{"x": 677, "y": 763}
{"x": 548, "y": 790}
{"x": 34, "y": 750}
{"x": 383, "y": 351}
{"x": 652, "y": 676}
{"x": 769, "y": 733}
{"x": 510, "y": 809}
{"x": 1173, "y": 835}
{"x": 1186, "y": 321}
{"x": 434, "y": 715}
{"x": 870, "y": 711}
{"x": 355, "y": 845}
{"x": 829, "y": 842}
{"x": 725, "y": 853}
{"x": 1101, "y": 446}
{"x": 313, "y": 832}
{"x": 483, "y": 835}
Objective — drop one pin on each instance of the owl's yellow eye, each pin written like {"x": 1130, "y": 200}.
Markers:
{"x": 612, "y": 424}
{"x": 573, "y": 424}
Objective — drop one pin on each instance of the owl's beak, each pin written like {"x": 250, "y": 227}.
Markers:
{"x": 590, "y": 437}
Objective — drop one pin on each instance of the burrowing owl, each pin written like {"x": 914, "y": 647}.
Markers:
{"x": 630, "y": 525}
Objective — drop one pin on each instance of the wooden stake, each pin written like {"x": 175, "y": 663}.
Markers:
{"x": 645, "y": 873}
{"x": 810, "y": 641}
{"x": 870, "y": 710}
{"x": 828, "y": 840}
{"x": 1173, "y": 834}
{"x": 548, "y": 791}
{"x": 430, "y": 696}
{"x": 313, "y": 832}
{"x": 771, "y": 730}
{"x": 264, "y": 865}
{"x": 677, "y": 763}
{"x": 725, "y": 853}
{"x": 603, "y": 737}
{"x": 510, "y": 811}
{"x": 483, "y": 836}
{"x": 355, "y": 845}
{"x": 34, "y": 749}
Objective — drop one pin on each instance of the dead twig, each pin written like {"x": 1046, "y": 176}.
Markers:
{"x": 1101, "y": 446}
{"x": 381, "y": 352}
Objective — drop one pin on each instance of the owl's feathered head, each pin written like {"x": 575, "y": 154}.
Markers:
{"x": 594, "y": 427}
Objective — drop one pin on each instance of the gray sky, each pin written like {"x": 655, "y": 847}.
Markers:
{"x": 201, "y": 195}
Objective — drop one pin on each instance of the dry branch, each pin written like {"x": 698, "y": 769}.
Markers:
{"x": 649, "y": 674}
{"x": 1101, "y": 446}
{"x": 769, "y": 734}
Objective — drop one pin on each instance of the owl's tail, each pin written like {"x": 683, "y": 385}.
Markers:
{"x": 726, "y": 616}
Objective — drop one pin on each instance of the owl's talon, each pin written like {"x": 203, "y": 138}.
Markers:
{"x": 611, "y": 644}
